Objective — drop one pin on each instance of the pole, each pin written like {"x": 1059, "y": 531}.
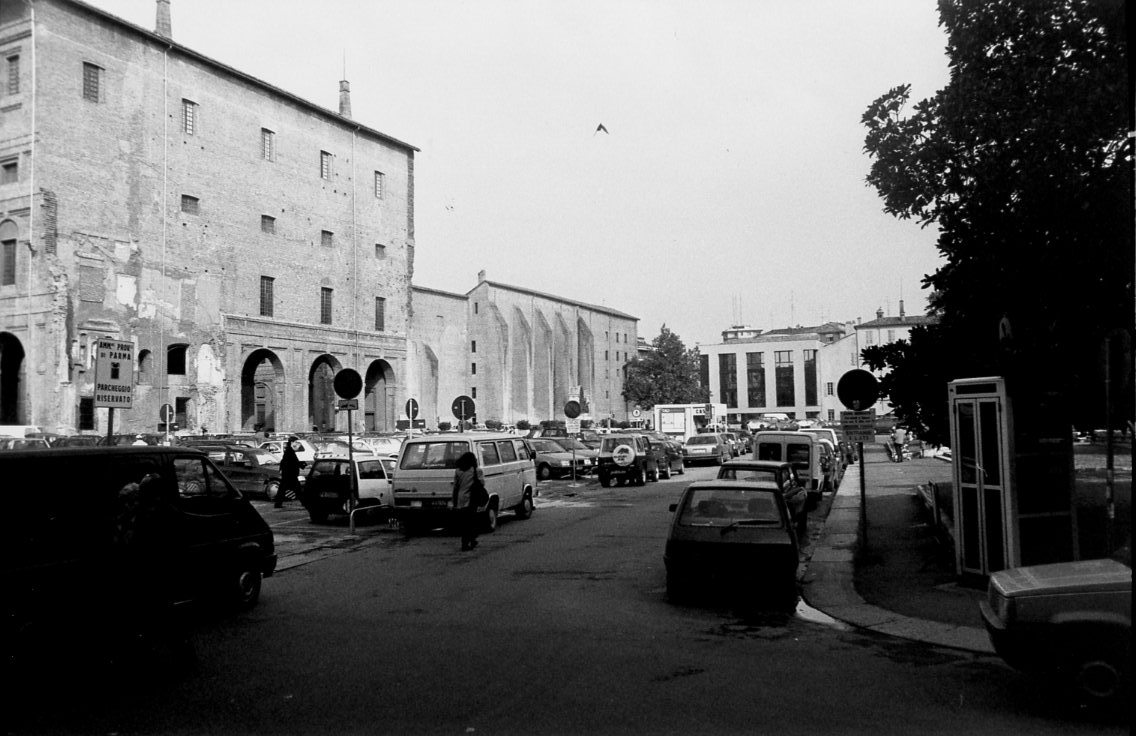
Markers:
{"x": 863, "y": 499}
{"x": 1109, "y": 469}
{"x": 110, "y": 425}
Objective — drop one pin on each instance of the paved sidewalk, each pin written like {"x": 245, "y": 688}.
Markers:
{"x": 902, "y": 581}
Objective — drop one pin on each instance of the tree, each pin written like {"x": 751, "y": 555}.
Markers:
{"x": 1024, "y": 163}
{"x": 667, "y": 375}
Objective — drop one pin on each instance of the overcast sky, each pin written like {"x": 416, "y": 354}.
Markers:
{"x": 730, "y": 184}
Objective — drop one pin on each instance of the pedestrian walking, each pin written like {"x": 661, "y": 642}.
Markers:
{"x": 469, "y": 492}
{"x": 289, "y": 473}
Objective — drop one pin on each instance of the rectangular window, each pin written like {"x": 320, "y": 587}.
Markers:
{"x": 327, "y": 238}
{"x": 473, "y": 368}
{"x": 380, "y": 251}
{"x": 10, "y": 172}
{"x": 13, "y": 75}
{"x": 811, "y": 377}
{"x": 605, "y": 355}
{"x": 704, "y": 371}
{"x": 325, "y": 305}
{"x": 728, "y": 379}
{"x": 783, "y": 370}
{"x": 8, "y": 263}
{"x": 755, "y": 379}
{"x": 190, "y": 205}
{"x": 473, "y": 392}
{"x": 473, "y": 346}
{"x": 891, "y": 335}
{"x": 92, "y": 82}
{"x": 828, "y": 387}
{"x": 380, "y": 184}
{"x": 87, "y": 412}
{"x": 380, "y": 314}
{"x": 267, "y": 144}
{"x": 268, "y": 224}
{"x": 325, "y": 165}
{"x": 266, "y": 300}
{"x": 181, "y": 412}
{"x": 869, "y": 338}
{"x": 832, "y": 415}
{"x": 175, "y": 360}
{"x": 188, "y": 117}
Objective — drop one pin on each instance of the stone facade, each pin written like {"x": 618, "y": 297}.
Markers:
{"x": 248, "y": 243}
{"x": 522, "y": 353}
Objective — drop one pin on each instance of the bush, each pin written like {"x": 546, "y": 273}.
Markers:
{"x": 494, "y": 424}
{"x": 523, "y": 424}
{"x": 444, "y": 426}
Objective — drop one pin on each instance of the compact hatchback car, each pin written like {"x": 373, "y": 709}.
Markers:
{"x": 782, "y": 476}
{"x": 331, "y": 481}
{"x": 706, "y": 448}
{"x": 733, "y": 535}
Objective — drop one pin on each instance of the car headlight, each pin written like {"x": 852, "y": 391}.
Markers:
{"x": 563, "y": 463}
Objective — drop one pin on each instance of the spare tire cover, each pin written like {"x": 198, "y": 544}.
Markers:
{"x": 623, "y": 455}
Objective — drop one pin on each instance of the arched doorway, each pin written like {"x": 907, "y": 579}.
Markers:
{"x": 379, "y": 380}
{"x": 12, "y": 380}
{"x": 262, "y": 392}
{"x": 321, "y": 393}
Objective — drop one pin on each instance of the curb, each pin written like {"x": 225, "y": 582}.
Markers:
{"x": 829, "y": 584}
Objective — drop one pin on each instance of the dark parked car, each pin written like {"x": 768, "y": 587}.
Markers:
{"x": 628, "y": 458}
{"x": 732, "y": 535}
{"x": 672, "y": 452}
{"x": 553, "y": 461}
{"x": 779, "y": 475}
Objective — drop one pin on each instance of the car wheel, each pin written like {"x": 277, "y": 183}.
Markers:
{"x": 682, "y": 468}
{"x": 1097, "y": 676}
{"x": 639, "y": 478}
{"x": 525, "y": 508}
{"x": 317, "y": 516}
{"x": 490, "y": 520}
{"x": 605, "y": 480}
{"x": 244, "y": 585}
{"x": 543, "y": 471}
{"x": 667, "y": 471}
{"x": 271, "y": 489}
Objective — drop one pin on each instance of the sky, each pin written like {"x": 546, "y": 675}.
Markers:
{"x": 727, "y": 189}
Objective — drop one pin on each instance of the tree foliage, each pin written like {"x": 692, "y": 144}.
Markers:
{"x": 1024, "y": 163}
{"x": 667, "y": 375}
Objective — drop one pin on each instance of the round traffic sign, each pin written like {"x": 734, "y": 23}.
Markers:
{"x": 572, "y": 409}
{"x": 166, "y": 414}
{"x": 412, "y": 408}
{"x": 463, "y": 408}
{"x": 858, "y": 389}
{"x": 347, "y": 383}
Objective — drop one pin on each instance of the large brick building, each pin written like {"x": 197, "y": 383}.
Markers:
{"x": 249, "y": 243}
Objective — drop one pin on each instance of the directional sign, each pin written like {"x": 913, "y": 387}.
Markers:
{"x": 347, "y": 404}
{"x": 412, "y": 408}
{"x": 463, "y": 408}
{"x": 858, "y": 426}
{"x": 114, "y": 374}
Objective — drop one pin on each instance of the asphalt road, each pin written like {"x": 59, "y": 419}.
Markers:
{"x": 558, "y": 624}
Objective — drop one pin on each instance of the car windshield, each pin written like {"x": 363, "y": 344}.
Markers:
{"x": 433, "y": 455}
{"x": 766, "y": 478}
{"x": 610, "y": 443}
{"x": 702, "y": 439}
{"x": 727, "y": 506}
{"x": 546, "y": 446}
{"x": 571, "y": 443}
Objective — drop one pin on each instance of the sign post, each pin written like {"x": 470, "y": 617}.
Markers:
{"x": 571, "y": 426}
{"x": 114, "y": 377}
{"x": 347, "y": 384}
{"x": 463, "y": 409}
{"x": 859, "y": 390}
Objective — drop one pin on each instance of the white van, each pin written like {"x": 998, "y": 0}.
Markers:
{"x": 424, "y": 477}
{"x": 799, "y": 448}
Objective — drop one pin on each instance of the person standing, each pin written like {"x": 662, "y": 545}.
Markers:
{"x": 469, "y": 483}
{"x": 289, "y": 473}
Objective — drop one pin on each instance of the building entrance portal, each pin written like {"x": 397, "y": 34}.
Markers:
{"x": 262, "y": 392}
{"x": 12, "y": 409}
{"x": 321, "y": 393}
{"x": 377, "y": 397}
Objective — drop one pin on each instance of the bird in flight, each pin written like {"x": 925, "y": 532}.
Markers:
{"x": 599, "y": 128}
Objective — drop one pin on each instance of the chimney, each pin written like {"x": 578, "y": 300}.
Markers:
{"x": 344, "y": 98}
{"x": 880, "y": 313}
{"x": 900, "y": 310}
{"x": 162, "y": 27}
{"x": 481, "y": 275}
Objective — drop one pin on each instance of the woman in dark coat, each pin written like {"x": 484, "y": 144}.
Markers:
{"x": 467, "y": 477}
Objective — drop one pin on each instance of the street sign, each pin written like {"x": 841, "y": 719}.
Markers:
{"x": 347, "y": 383}
{"x": 412, "y": 408}
{"x": 572, "y": 426}
{"x": 463, "y": 408}
{"x": 114, "y": 374}
{"x": 347, "y": 405}
{"x": 572, "y": 409}
{"x": 166, "y": 414}
{"x": 858, "y": 426}
{"x": 858, "y": 389}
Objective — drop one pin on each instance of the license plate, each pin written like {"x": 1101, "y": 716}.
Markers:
{"x": 329, "y": 494}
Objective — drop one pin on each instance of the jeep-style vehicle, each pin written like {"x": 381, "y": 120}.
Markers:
{"x": 629, "y": 458}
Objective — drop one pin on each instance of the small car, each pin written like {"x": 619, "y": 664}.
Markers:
{"x": 305, "y": 451}
{"x": 553, "y": 461}
{"x": 1071, "y": 620}
{"x": 628, "y": 458}
{"x": 250, "y": 469}
{"x": 703, "y": 448}
{"x": 333, "y": 448}
{"x": 733, "y": 535}
{"x": 328, "y": 485}
{"x": 24, "y": 443}
{"x": 574, "y": 445}
{"x": 779, "y": 475}
{"x": 672, "y": 454}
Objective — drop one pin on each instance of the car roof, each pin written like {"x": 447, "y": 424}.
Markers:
{"x": 757, "y": 464}
{"x": 731, "y": 485}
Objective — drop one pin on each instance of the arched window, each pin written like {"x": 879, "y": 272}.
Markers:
{"x": 145, "y": 366}
{"x": 175, "y": 360}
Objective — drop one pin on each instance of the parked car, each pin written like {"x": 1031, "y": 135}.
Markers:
{"x": 733, "y": 443}
{"x": 132, "y": 439}
{"x": 573, "y": 445}
{"x": 781, "y": 476}
{"x": 24, "y": 443}
{"x": 330, "y": 484}
{"x": 830, "y": 434}
{"x": 829, "y": 464}
{"x": 382, "y": 446}
{"x": 332, "y": 448}
{"x": 252, "y": 470}
{"x": 732, "y": 534}
{"x": 702, "y": 448}
{"x": 76, "y": 440}
{"x": 553, "y": 461}
{"x": 305, "y": 451}
{"x": 1069, "y": 620}
{"x": 799, "y": 448}
{"x": 672, "y": 454}
{"x": 628, "y": 458}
